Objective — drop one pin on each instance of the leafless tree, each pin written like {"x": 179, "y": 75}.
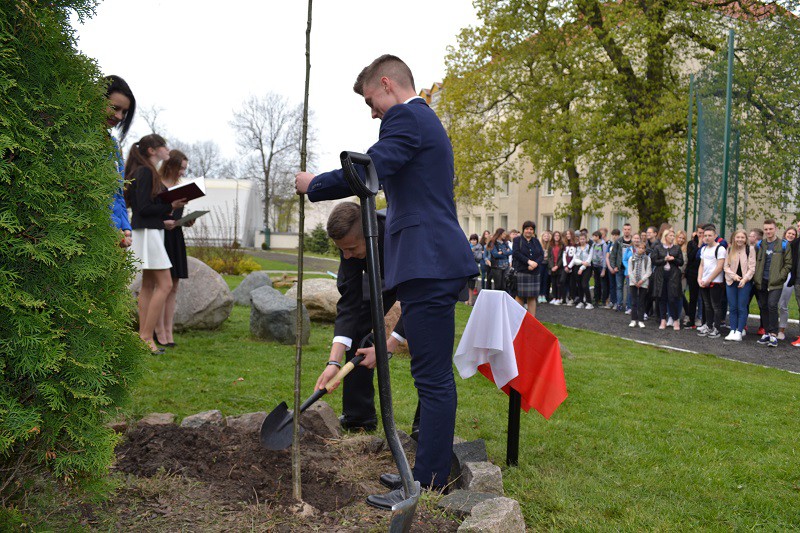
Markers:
{"x": 270, "y": 127}
{"x": 150, "y": 116}
{"x": 205, "y": 159}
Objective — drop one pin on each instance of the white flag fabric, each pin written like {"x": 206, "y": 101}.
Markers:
{"x": 489, "y": 337}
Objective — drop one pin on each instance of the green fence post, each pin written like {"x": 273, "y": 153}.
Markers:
{"x": 726, "y": 153}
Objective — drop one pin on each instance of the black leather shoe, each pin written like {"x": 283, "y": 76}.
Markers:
{"x": 386, "y": 501}
{"x": 391, "y": 481}
{"x": 358, "y": 425}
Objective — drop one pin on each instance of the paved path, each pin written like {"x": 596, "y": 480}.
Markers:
{"x": 784, "y": 357}
{"x": 309, "y": 263}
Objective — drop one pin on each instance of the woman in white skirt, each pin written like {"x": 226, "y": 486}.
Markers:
{"x": 143, "y": 184}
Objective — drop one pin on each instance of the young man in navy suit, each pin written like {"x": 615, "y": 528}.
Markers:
{"x": 427, "y": 256}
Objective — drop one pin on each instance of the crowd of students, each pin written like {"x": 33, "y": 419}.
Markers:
{"x": 685, "y": 281}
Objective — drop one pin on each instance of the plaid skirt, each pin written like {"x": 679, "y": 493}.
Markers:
{"x": 528, "y": 284}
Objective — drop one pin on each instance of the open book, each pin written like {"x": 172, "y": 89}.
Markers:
{"x": 189, "y": 190}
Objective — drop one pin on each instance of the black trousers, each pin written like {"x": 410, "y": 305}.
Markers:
{"x": 694, "y": 293}
{"x": 358, "y": 389}
{"x": 600, "y": 285}
{"x": 768, "y": 302}
{"x": 713, "y": 305}
{"x": 638, "y": 297}
{"x": 498, "y": 277}
{"x": 582, "y": 279}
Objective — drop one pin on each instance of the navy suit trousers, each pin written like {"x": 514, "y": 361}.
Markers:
{"x": 428, "y": 307}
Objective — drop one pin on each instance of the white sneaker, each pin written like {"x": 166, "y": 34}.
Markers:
{"x": 731, "y": 336}
{"x": 781, "y": 335}
{"x": 645, "y": 316}
{"x": 641, "y": 324}
{"x": 589, "y": 306}
{"x": 579, "y": 306}
{"x": 698, "y": 323}
{"x": 627, "y": 311}
{"x": 556, "y": 302}
{"x": 713, "y": 334}
{"x": 670, "y": 322}
{"x": 737, "y": 336}
{"x": 702, "y": 331}
{"x": 570, "y": 303}
{"x": 742, "y": 334}
{"x": 632, "y": 324}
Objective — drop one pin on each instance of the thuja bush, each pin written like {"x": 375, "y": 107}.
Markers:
{"x": 67, "y": 351}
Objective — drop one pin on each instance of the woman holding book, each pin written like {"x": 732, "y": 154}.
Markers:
{"x": 171, "y": 173}
{"x": 143, "y": 183}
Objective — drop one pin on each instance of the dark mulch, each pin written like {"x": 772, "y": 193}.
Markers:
{"x": 784, "y": 357}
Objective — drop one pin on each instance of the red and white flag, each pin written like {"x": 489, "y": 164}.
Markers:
{"x": 509, "y": 346}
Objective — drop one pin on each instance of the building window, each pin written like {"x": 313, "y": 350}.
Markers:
{"x": 504, "y": 222}
{"x": 490, "y": 223}
{"x": 620, "y": 220}
{"x": 568, "y": 223}
{"x": 547, "y": 223}
{"x": 507, "y": 186}
{"x": 478, "y": 228}
{"x": 465, "y": 224}
{"x": 547, "y": 190}
{"x": 594, "y": 223}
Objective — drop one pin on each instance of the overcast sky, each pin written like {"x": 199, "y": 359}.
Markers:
{"x": 198, "y": 60}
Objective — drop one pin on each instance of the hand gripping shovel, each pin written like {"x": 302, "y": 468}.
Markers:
{"x": 403, "y": 512}
{"x": 276, "y": 430}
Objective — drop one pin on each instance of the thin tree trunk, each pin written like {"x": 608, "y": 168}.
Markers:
{"x": 297, "y": 490}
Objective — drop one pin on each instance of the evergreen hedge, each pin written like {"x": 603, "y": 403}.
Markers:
{"x": 67, "y": 350}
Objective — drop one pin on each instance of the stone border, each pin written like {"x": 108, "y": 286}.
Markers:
{"x": 477, "y": 494}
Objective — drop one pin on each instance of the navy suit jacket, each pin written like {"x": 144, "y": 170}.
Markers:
{"x": 414, "y": 161}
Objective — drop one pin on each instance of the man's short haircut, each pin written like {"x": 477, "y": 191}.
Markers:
{"x": 770, "y": 221}
{"x": 627, "y": 224}
{"x": 528, "y": 224}
{"x": 710, "y": 227}
{"x": 343, "y": 218}
{"x": 597, "y": 234}
{"x": 615, "y": 231}
{"x": 387, "y": 65}
{"x": 652, "y": 228}
{"x": 758, "y": 231}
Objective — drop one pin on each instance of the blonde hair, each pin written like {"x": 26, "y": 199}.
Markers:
{"x": 685, "y": 240}
{"x": 732, "y": 245}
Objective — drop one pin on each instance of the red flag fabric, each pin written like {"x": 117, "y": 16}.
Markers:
{"x": 540, "y": 379}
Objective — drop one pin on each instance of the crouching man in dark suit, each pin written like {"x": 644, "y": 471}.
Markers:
{"x": 353, "y": 318}
{"x": 427, "y": 256}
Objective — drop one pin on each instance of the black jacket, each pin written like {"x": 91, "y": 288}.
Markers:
{"x": 353, "y": 317}
{"x": 148, "y": 212}
{"x": 657, "y": 256}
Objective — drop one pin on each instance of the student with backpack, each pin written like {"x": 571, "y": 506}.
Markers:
{"x": 710, "y": 279}
{"x": 773, "y": 264}
{"x": 639, "y": 270}
{"x": 581, "y": 265}
{"x": 599, "y": 269}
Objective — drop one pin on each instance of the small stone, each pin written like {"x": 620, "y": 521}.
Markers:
{"x": 461, "y": 502}
{"x": 247, "y": 423}
{"x": 471, "y": 451}
{"x": 498, "y": 515}
{"x": 482, "y": 477}
{"x": 321, "y": 420}
{"x": 303, "y": 510}
{"x": 157, "y": 419}
{"x": 206, "y": 418}
{"x": 376, "y": 444}
{"x": 120, "y": 425}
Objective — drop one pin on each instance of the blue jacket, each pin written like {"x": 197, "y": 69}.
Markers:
{"x": 500, "y": 254}
{"x": 414, "y": 161}
{"x": 119, "y": 211}
{"x": 525, "y": 251}
{"x": 626, "y": 255}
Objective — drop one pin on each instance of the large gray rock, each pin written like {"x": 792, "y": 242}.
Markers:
{"x": 498, "y": 515}
{"x": 320, "y": 296}
{"x": 206, "y": 418}
{"x": 321, "y": 420}
{"x": 253, "y": 281}
{"x": 273, "y": 317}
{"x": 204, "y": 300}
{"x": 483, "y": 477}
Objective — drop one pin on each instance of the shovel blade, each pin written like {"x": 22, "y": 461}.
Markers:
{"x": 276, "y": 430}
{"x": 403, "y": 512}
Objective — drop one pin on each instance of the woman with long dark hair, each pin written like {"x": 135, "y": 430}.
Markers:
{"x": 143, "y": 183}
{"x": 500, "y": 253}
{"x": 171, "y": 173}
{"x": 119, "y": 116}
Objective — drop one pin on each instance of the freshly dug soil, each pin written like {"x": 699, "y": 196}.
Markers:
{"x": 220, "y": 479}
{"x": 235, "y": 465}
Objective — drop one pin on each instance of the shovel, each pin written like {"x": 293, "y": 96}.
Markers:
{"x": 403, "y": 512}
{"x": 276, "y": 430}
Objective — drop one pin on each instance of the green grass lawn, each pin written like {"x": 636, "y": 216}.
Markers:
{"x": 648, "y": 438}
